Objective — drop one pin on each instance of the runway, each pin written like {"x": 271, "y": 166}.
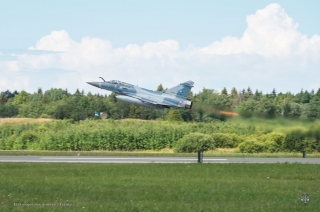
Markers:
{"x": 114, "y": 159}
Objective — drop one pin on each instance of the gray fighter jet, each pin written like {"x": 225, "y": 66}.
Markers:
{"x": 173, "y": 97}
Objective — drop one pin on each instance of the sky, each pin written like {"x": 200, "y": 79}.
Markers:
{"x": 64, "y": 44}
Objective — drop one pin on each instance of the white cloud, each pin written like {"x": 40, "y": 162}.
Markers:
{"x": 270, "y": 33}
{"x": 271, "y": 53}
{"x": 56, "y": 41}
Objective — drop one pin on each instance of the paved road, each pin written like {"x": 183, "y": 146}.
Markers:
{"x": 108, "y": 159}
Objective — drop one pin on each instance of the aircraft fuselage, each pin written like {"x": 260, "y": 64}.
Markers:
{"x": 147, "y": 98}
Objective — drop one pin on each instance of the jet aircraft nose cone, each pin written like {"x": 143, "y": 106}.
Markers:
{"x": 95, "y": 84}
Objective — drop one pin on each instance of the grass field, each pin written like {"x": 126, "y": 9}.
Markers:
{"x": 158, "y": 187}
{"x": 23, "y": 120}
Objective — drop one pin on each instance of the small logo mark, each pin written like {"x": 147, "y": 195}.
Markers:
{"x": 305, "y": 198}
{"x": 180, "y": 91}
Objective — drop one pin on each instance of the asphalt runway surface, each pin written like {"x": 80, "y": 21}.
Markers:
{"x": 114, "y": 159}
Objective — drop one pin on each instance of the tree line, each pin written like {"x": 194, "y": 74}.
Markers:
{"x": 60, "y": 104}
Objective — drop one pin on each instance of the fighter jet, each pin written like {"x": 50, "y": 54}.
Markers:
{"x": 173, "y": 97}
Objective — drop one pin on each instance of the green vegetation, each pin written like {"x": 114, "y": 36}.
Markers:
{"x": 269, "y": 123}
{"x": 174, "y": 115}
{"x": 60, "y": 104}
{"x": 195, "y": 142}
{"x": 104, "y": 135}
{"x": 135, "y": 135}
{"x": 158, "y": 187}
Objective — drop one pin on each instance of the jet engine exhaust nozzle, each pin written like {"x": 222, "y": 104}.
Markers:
{"x": 188, "y": 105}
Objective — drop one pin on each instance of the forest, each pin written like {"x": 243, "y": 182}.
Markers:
{"x": 57, "y": 103}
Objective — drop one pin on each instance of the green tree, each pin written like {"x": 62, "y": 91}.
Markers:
{"x": 55, "y": 94}
{"x": 160, "y": 88}
{"x": 274, "y": 93}
{"x": 286, "y": 109}
{"x": 247, "y": 94}
{"x": 247, "y": 108}
{"x": 312, "y": 93}
{"x": 134, "y": 112}
{"x": 295, "y": 110}
{"x": 266, "y": 108}
{"x": 187, "y": 115}
{"x": 120, "y": 110}
{"x": 39, "y": 91}
{"x": 8, "y": 110}
{"x": 31, "y": 110}
{"x": 9, "y": 94}
{"x": 224, "y": 91}
{"x": 303, "y": 97}
{"x": 318, "y": 93}
{"x": 174, "y": 115}
{"x": 44, "y": 99}
{"x": 306, "y": 97}
{"x": 236, "y": 97}
{"x": 77, "y": 93}
{"x": 233, "y": 93}
{"x": 112, "y": 97}
{"x": 3, "y": 98}
{"x": 89, "y": 94}
{"x": 21, "y": 98}
{"x": 190, "y": 95}
{"x": 36, "y": 97}
{"x": 311, "y": 111}
{"x": 257, "y": 95}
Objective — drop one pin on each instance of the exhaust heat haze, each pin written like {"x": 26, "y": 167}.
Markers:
{"x": 210, "y": 109}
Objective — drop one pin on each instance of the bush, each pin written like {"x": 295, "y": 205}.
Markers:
{"x": 294, "y": 141}
{"x": 225, "y": 140}
{"x": 273, "y": 142}
{"x": 194, "y": 142}
{"x": 114, "y": 135}
{"x": 27, "y": 139}
{"x": 298, "y": 141}
{"x": 45, "y": 116}
{"x": 251, "y": 147}
{"x": 271, "y": 146}
{"x": 314, "y": 134}
{"x": 10, "y": 142}
{"x": 174, "y": 115}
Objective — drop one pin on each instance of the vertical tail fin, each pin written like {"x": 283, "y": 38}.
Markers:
{"x": 181, "y": 90}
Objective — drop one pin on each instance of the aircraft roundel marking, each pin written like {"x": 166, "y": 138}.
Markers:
{"x": 180, "y": 102}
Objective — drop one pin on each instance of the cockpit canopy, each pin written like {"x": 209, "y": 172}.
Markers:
{"x": 117, "y": 82}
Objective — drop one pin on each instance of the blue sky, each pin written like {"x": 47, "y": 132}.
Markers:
{"x": 152, "y": 42}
